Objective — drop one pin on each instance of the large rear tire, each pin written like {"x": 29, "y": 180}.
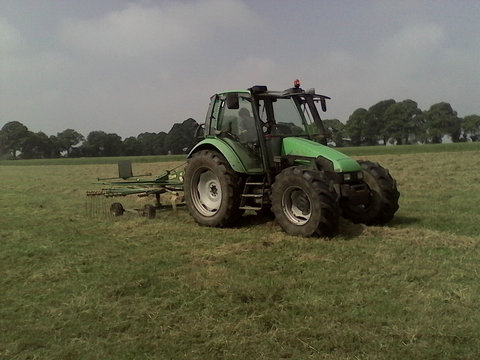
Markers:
{"x": 383, "y": 200}
{"x": 303, "y": 203}
{"x": 212, "y": 189}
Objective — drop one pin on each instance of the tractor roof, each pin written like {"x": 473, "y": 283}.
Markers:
{"x": 263, "y": 91}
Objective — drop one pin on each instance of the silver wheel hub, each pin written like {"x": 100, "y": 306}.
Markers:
{"x": 208, "y": 195}
{"x": 296, "y": 205}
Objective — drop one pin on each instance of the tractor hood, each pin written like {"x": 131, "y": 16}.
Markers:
{"x": 303, "y": 147}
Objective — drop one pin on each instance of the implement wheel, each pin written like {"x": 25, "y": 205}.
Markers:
{"x": 212, "y": 189}
{"x": 116, "y": 209}
{"x": 383, "y": 200}
{"x": 303, "y": 204}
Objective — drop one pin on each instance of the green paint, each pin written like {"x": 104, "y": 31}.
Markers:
{"x": 304, "y": 147}
{"x": 240, "y": 159}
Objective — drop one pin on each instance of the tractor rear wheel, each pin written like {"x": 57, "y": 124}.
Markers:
{"x": 303, "y": 203}
{"x": 212, "y": 189}
{"x": 383, "y": 200}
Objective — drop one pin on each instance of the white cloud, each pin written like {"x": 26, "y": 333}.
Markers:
{"x": 411, "y": 48}
{"x": 149, "y": 64}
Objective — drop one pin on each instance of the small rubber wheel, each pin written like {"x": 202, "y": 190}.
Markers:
{"x": 116, "y": 209}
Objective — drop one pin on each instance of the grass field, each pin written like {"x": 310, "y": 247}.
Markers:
{"x": 76, "y": 287}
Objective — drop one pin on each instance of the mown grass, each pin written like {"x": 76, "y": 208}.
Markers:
{"x": 75, "y": 287}
{"x": 94, "y": 160}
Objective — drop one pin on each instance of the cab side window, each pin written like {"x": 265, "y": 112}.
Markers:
{"x": 239, "y": 121}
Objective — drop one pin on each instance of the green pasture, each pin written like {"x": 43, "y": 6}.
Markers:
{"x": 77, "y": 287}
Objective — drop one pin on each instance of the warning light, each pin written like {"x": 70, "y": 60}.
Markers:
{"x": 296, "y": 83}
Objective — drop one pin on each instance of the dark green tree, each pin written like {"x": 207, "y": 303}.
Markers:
{"x": 471, "y": 127}
{"x": 68, "y": 138}
{"x": 37, "y": 146}
{"x": 356, "y": 127}
{"x": 56, "y": 146}
{"x": 99, "y": 143}
{"x": 132, "y": 147}
{"x": 12, "y": 136}
{"x": 337, "y": 130}
{"x": 403, "y": 122}
{"x": 441, "y": 120}
{"x": 152, "y": 143}
{"x": 376, "y": 122}
{"x": 180, "y": 138}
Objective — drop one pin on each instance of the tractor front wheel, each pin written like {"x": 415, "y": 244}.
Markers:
{"x": 303, "y": 203}
{"x": 212, "y": 189}
{"x": 383, "y": 200}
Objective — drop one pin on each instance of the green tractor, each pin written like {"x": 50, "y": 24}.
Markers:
{"x": 266, "y": 151}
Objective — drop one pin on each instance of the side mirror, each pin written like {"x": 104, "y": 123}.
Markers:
{"x": 199, "y": 132}
{"x": 324, "y": 104}
{"x": 232, "y": 101}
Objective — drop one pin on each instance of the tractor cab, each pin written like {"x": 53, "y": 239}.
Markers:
{"x": 291, "y": 112}
{"x": 255, "y": 121}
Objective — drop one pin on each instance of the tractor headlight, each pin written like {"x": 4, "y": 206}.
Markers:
{"x": 347, "y": 177}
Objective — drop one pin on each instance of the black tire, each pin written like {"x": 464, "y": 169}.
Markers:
{"x": 116, "y": 209}
{"x": 212, "y": 189}
{"x": 265, "y": 212}
{"x": 383, "y": 199}
{"x": 304, "y": 204}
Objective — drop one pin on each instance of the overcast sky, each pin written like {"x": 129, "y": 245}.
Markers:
{"x": 133, "y": 66}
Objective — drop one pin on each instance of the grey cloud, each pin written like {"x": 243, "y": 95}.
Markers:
{"x": 130, "y": 67}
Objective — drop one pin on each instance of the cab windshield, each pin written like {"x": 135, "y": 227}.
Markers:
{"x": 290, "y": 116}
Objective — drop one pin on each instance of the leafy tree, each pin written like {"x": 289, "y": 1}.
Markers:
{"x": 337, "y": 129}
{"x": 56, "y": 146}
{"x": 442, "y": 120}
{"x": 99, "y": 143}
{"x": 181, "y": 137}
{"x": 152, "y": 143}
{"x": 376, "y": 122}
{"x": 12, "y": 136}
{"x": 37, "y": 145}
{"x": 403, "y": 122}
{"x": 356, "y": 126}
{"x": 68, "y": 138}
{"x": 132, "y": 147}
{"x": 471, "y": 127}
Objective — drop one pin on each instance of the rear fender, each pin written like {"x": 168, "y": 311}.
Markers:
{"x": 224, "y": 149}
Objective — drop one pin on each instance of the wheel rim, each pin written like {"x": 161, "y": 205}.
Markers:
{"x": 207, "y": 194}
{"x": 296, "y": 205}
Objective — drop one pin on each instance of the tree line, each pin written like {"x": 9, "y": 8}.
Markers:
{"x": 386, "y": 122}
{"x": 391, "y": 122}
{"x": 17, "y": 141}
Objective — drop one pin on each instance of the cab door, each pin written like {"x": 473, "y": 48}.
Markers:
{"x": 235, "y": 124}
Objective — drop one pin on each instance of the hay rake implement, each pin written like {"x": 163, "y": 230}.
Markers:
{"x": 166, "y": 191}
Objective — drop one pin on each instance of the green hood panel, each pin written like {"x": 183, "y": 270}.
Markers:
{"x": 303, "y": 147}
